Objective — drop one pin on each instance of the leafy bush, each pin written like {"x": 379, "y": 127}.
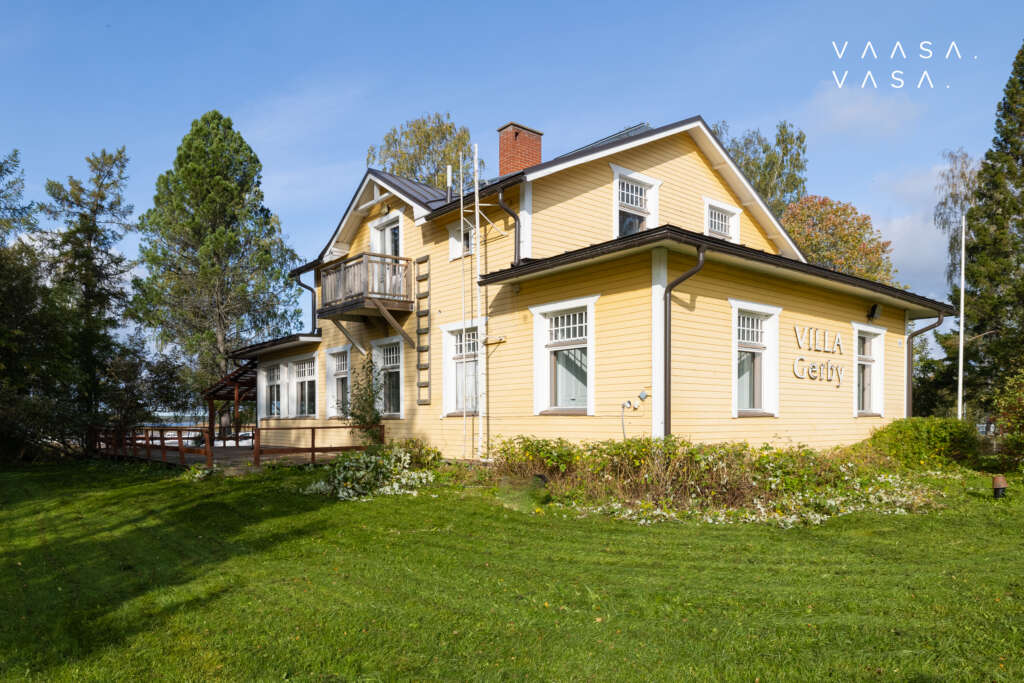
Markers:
{"x": 421, "y": 454}
{"x": 1009, "y": 409}
{"x": 928, "y": 442}
{"x": 649, "y": 479}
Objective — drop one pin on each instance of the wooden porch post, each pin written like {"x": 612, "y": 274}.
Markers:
{"x": 212, "y": 420}
{"x": 163, "y": 446}
{"x": 312, "y": 445}
{"x": 237, "y": 426}
{"x": 181, "y": 448}
{"x": 256, "y": 447}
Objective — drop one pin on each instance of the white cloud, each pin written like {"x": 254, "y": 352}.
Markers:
{"x": 863, "y": 111}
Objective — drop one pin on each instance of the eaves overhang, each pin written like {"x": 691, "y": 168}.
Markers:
{"x": 687, "y": 241}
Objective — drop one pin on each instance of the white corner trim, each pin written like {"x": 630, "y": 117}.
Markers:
{"x": 659, "y": 280}
{"x": 526, "y": 220}
{"x": 653, "y": 185}
{"x": 377, "y": 358}
{"x": 448, "y": 366}
{"x": 878, "y": 371}
{"x": 770, "y": 367}
{"x": 541, "y": 367}
{"x": 734, "y": 219}
{"x": 906, "y": 349}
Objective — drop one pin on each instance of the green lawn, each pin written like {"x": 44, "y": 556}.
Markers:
{"x": 113, "y": 571}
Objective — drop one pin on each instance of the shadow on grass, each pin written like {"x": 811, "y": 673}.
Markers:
{"x": 78, "y": 544}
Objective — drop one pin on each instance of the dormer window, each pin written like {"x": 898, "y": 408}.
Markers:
{"x": 721, "y": 220}
{"x": 635, "y": 201}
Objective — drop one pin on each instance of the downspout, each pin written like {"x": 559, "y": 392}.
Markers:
{"x": 910, "y": 361}
{"x": 312, "y": 292}
{"x": 515, "y": 218}
{"x": 668, "y": 336}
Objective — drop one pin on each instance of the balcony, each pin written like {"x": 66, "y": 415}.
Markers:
{"x": 366, "y": 284}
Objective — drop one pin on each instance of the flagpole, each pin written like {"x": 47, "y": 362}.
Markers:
{"x": 960, "y": 372}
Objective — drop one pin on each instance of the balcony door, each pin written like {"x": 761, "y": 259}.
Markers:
{"x": 385, "y": 275}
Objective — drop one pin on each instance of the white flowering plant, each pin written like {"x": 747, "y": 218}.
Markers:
{"x": 378, "y": 471}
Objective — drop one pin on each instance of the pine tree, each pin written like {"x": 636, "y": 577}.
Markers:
{"x": 89, "y": 272}
{"x": 217, "y": 261}
{"x": 994, "y": 315}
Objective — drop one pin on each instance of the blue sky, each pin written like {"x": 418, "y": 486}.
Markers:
{"x": 311, "y": 85}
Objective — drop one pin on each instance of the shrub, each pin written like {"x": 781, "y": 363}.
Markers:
{"x": 647, "y": 479}
{"x": 928, "y": 442}
{"x": 421, "y": 454}
{"x": 390, "y": 469}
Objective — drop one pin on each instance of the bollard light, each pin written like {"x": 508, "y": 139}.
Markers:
{"x": 998, "y": 486}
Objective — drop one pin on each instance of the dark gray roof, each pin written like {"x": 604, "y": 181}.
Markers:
{"x": 611, "y": 139}
{"x": 413, "y": 189}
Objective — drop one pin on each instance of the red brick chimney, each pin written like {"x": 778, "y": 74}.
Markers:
{"x": 518, "y": 148}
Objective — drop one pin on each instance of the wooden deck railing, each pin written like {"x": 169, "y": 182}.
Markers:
{"x": 173, "y": 444}
{"x": 365, "y": 276}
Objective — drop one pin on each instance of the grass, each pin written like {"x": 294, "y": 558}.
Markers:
{"x": 126, "y": 571}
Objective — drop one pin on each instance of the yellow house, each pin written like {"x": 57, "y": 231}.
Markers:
{"x": 636, "y": 286}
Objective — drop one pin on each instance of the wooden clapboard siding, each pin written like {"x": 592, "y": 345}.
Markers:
{"x": 810, "y": 412}
{"x": 574, "y": 208}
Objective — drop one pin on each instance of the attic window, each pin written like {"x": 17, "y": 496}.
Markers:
{"x": 721, "y": 220}
{"x": 636, "y": 201}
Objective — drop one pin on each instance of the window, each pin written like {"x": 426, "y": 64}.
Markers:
{"x": 305, "y": 387}
{"x": 386, "y": 236}
{"x": 340, "y": 400}
{"x": 635, "y": 205}
{"x": 721, "y": 220}
{"x": 750, "y": 366}
{"x": 273, "y": 383}
{"x": 391, "y": 376}
{"x": 567, "y": 344}
{"x": 563, "y": 352}
{"x": 868, "y": 399}
{"x": 460, "y": 242}
{"x": 632, "y": 207}
{"x": 464, "y": 361}
{"x": 755, "y": 355}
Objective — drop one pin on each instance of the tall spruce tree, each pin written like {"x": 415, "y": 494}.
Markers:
{"x": 89, "y": 273}
{"x": 16, "y": 215}
{"x": 994, "y": 315}
{"x": 217, "y": 261}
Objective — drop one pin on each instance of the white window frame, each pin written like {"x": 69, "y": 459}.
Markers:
{"x": 449, "y": 399}
{"x": 541, "y": 353}
{"x": 293, "y": 380}
{"x": 734, "y": 219}
{"x": 379, "y": 225}
{"x": 331, "y": 390}
{"x": 263, "y": 388}
{"x": 456, "y": 249}
{"x": 769, "y": 357}
{"x": 878, "y": 368}
{"x": 378, "y": 361}
{"x": 653, "y": 185}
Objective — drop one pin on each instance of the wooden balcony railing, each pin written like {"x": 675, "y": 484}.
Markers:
{"x": 367, "y": 276}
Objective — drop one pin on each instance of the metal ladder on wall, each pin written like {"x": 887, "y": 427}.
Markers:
{"x": 422, "y": 289}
